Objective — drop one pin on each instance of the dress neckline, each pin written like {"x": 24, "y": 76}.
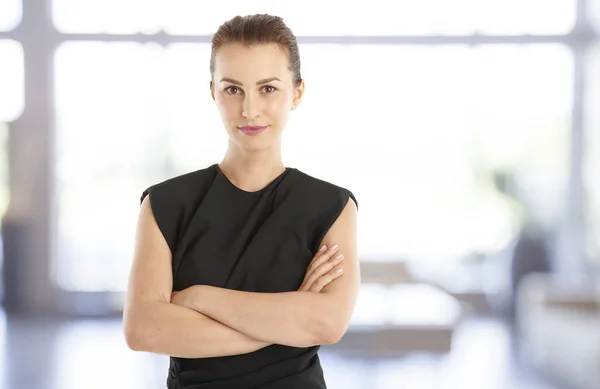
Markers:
{"x": 219, "y": 171}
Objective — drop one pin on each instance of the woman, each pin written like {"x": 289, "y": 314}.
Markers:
{"x": 227, "y": 276}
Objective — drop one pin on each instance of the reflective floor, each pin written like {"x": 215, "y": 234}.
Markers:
{"x": 54, "y": 354}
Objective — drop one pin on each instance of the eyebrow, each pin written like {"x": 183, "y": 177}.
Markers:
{"x": 265, "y": 81}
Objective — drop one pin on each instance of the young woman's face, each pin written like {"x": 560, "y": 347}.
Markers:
{"x": 254, "y": 90}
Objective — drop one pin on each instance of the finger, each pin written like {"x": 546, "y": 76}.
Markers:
{"x": 321, "y": 251}
{"x": 318, "y": 254}
{"x": 316, "y": 284}
{"x": 317, "y": 273}
{"x": 322, "y": 258}
{"x": 325, "y": 280}
{"x": 324, "y": 269}
{"x": 327, "y": 266}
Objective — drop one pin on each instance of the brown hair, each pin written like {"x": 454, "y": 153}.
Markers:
{"x": 258, "y": 29}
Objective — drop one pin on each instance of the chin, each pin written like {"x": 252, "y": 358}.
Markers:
{"x": 264, "y": 140}
{"x": 254, "y": 143}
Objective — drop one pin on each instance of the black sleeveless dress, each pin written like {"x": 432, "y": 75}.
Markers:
{"x": 260, "y": 241}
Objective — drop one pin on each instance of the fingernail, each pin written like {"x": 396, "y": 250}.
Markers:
{"x": 340, "y": 256}
{"x": 335, "y": 246}
{"x": 323, "y": 248}
{"x": 339, "y": 271}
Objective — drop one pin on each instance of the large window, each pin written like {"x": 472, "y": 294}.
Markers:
{"x": 10, "y": 14}
{"x": 11, "y": 80}
{"x": 592, "y": 162}
{"x": 418, "y": 132}
{"x": 11, "y": 104}
{"x": 144, "y": 115}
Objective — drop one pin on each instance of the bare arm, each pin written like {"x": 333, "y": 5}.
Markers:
{"x": 299, "y": 318}
{"x": 151, "y": 323}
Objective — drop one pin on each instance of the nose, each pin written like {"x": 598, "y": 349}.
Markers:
{"x": 250, "y": 107}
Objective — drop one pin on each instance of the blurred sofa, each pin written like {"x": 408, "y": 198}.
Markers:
{"x": 558, "y": 329}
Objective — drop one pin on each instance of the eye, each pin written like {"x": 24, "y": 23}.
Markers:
{"x": 269, "y": 89}
{"x": 232, "y": 90}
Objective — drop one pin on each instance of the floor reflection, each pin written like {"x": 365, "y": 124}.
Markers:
{"x": 55, "y": 354}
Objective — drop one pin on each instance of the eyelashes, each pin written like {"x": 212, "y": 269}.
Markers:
{"x": 272, "y": 88}
{"x": 231, "y": 90}
{"x": 234, "y": 90}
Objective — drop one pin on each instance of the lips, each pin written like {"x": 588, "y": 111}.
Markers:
{"x": 252, "y": 130}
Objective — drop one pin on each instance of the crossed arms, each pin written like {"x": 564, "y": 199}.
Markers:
{"x": 204, "y": 321}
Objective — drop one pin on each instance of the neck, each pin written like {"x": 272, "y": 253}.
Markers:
{"x": 252, "y": 170}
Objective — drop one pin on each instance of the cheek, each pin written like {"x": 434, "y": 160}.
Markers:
{"x": 229, "y": 108}
{"x": 278, "y": 107}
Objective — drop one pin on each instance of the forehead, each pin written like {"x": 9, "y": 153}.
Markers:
{"x": 242, "y": 62}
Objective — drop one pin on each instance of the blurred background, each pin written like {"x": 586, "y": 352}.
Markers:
{"x": 469, "y": 131}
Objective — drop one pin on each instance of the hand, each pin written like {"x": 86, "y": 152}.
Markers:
{"x": 319, "y": 273}
{"x": 185, "y": 297}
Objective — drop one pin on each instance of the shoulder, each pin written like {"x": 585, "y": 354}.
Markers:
{"x": 172, "y": 201}
{"x": 322, "y": 204}
{"x": 320, "y": 191}
{"x": 183, "y": 186}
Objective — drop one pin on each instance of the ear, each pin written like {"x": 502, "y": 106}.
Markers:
{"x": 212, "y": 90}
{"x": 298, "y": 94}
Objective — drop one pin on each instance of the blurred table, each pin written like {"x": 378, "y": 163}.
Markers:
{"x": 402, "y": 318}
